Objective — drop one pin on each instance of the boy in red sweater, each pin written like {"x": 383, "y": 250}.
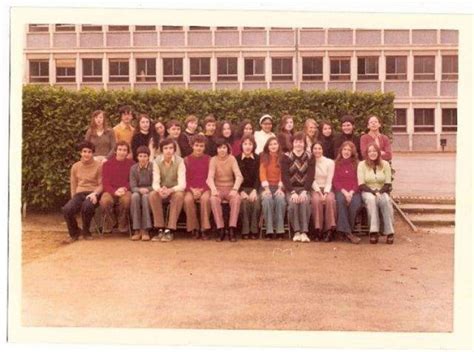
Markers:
{"x": 115, "y": 181}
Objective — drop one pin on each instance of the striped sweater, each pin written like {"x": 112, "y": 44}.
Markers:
{"x": 296, "y": 172}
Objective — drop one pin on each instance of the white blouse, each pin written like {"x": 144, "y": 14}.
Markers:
{"x": 324, "y": 172}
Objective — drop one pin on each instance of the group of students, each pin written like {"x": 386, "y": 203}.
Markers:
{"x": 134, "y": 172}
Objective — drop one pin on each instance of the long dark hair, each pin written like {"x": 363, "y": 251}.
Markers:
{"x": 283, "y": 121}
{"x": 92, "y": 124}
{"x": 220, "y": 127}
{"x": 265, "y": 154}
{"x": 377, "y": 163}
{"x": 239, "y": 133}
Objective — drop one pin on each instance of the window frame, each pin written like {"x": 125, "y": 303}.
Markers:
{"x": 171, "y": 28}
{"x": 202, "y": 62}
{"x": 92, "y": 28}
{"x": 368, "y": 60}
{"x": 397, "y": 75}
{"x": 423, "y": 128}
{"x": 147, "y": 77}
{"x": 252, "y": 76}
{"x": 42, "y": 63}
{"x": 173, "y": 77}
{"x": 66, "y": 78}
{"x": 339, "y": 76}
{"x": 119, "y": 77}
{"x": 38, "y": 28}
{"x": 449, "y": 127}
{"x": 93, "y": 77}
{"x": 144, "y": 28}
{"x": 228, "y": 76}
{"x": 118, "y": 28}
{"x": 450, "y": 75}
{"x": 312, "y": 76}
{"x": 400, "y": 128}
{"x": 282, "y": 76}
{"x": 424, "y": 76}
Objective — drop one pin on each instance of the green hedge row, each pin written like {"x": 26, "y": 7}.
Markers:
{"x": 55, "y": 120}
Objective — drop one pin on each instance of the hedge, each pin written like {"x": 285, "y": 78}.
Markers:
{"x": 55, "y": 120}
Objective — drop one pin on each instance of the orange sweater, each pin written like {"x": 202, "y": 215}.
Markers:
{"x": 270, "y": 174}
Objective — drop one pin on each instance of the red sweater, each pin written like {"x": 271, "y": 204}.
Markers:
{"x": 384, "y": 143}
{"x": 196, "y": 171}
{"x": 115, "y": 174}
{"x": 345, "y": 176}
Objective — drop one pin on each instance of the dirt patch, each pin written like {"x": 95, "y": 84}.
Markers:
{"x": 113, "y": 282}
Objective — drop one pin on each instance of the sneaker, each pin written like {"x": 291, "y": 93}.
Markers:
{"x": 167, "y": 236}
{"x": 304, "y": 238}
{"x": 136, "y": 235}
{"x": 158, "y": 237}
{"x": 145, "y": 235}
{"x": 297, "y": 237}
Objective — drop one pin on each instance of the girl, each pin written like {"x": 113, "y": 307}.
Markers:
{"x": 250, "y": 203}
{"x": 326, "y": 138}
{"x": 160, "y": 129}
{"x": 286, "y": 133}
{"x": 224, "y": 180}
{"x": 323, "y": 200}
{"x": 190, "y": 129}
{"x": 209, "y": 127}
{"x": 273, "y": 197}
{"x": 245, "y": 129}
{"x": 311, "y": 131}
{"x": 262, "y": 136}
{"x": 375, "y": 136}
{"x": 157, "y": 135}
{"x": 225, "y": 132}
{"x": 101, "y": 136}
{"x": 141, "y": 135}
{"x": 348, "y": 200}
{"x": 375, "y": 182}
{"x": 297, "y": 178}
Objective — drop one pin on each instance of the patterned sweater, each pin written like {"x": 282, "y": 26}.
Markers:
{"x": 296, "y": 173}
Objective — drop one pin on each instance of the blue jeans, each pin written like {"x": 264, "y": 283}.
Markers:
{"x": 346, "y": 214}
{"x": 274, "y": 211}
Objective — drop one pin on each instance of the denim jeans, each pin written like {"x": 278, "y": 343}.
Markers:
{"x": 79, "y": 203}
{"x": 374, "y": 204}
{"x": 274, "y": 208}
{"x": 346, "y": 214}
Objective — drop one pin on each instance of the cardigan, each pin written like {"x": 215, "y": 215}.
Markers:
{"x": 345, "y": 176}
{"x": 104, "y": 144}
{"x": 324, "y": 173}
{"x": 383, "y": 143}
{"x": 374, "y": 179}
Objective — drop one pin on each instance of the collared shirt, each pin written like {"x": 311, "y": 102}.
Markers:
{"x": 141, "y": 177}
{"x": 169, "y": 174}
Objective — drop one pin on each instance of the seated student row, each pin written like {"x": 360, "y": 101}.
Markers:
{"x": 285, "y": 179}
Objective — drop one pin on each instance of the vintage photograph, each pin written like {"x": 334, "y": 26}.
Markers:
{"x": 290, "y": 176}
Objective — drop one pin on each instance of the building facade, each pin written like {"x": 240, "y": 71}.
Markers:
{"x": 419, "y": 66}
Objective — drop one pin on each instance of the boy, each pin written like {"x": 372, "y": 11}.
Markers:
{"x": 141, "y": 179}
{"x": 124, "y": 130}
{"x": 210, "y": 125}
{"x": 115, "y": 180}
{"x": 190, "y": 130}
{"x": 347, "y": 134}
{"x": 173, "y": 128}
{"x": 197, "y": 169}
{"x": 86, "y": 187}
{"x": 169, "y": 182}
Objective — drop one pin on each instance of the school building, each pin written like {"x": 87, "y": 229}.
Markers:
{"x": 419, "y": 66}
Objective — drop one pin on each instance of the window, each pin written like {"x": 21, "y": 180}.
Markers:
{"x": 65, "y": 28}
{"x": 282, "y": 69}
{"x": 424, "y": 120}
{"x": 424, "y": 67}
{"x": 118, "y": 28}
{"x": 396, "y": 67}
{"x": 340, "y": 69}
{"x": 368, "y": 68}
{"x": 118, "y": 70}
{"x": 91, "y": 28}
{"x": 312, "y": 69}
{"x": 145, "y": 28}
{"x": 146, "y": 70}
{"x": 450, "y": 67}
{"x": 172, "y": 69}
{"x": 255, "y": 69}
{"x": 38, "y": 28}
{"x": 253, "y": 28}
{"x": 450, "y": 120}
{"x": 227, "y": 69}
{"x": 39, "y": 71}
{"x": 226, "y": 28}
{"x": 92, "y": 70}
{"x": 172, "y": 28}
{"x": 66, "y": 70}
{"x": 199, "y": 28}
{"x": 200, "y": 69}
{"x": 400, "y": 121}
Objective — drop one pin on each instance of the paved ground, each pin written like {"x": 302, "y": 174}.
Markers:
{"x": 425, "y": 174}
{"x": 113, "y": 282}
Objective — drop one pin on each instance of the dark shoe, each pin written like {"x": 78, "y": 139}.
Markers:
{"x": 245, "y": 237}
{"x": 220, "y": 235}
{"x": 353, "y": 238}
{"x": 390, "y": 239}
{"x": 253, "y": 236}
{"x": 232, "y": 237}
{"x": 274, "y": 236}
{"x": 268, "y": 236}
{"x": 373, "y": 237}
{"x": 328, "y": 237}
{"x": 280, "y": 236}
{"x": 316, "y": 235}
{"x": 87, "y": 236}
{"x": 204, "y": 235}
{"x": 196, "y": 235}
{"x": 69, "y": 240}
